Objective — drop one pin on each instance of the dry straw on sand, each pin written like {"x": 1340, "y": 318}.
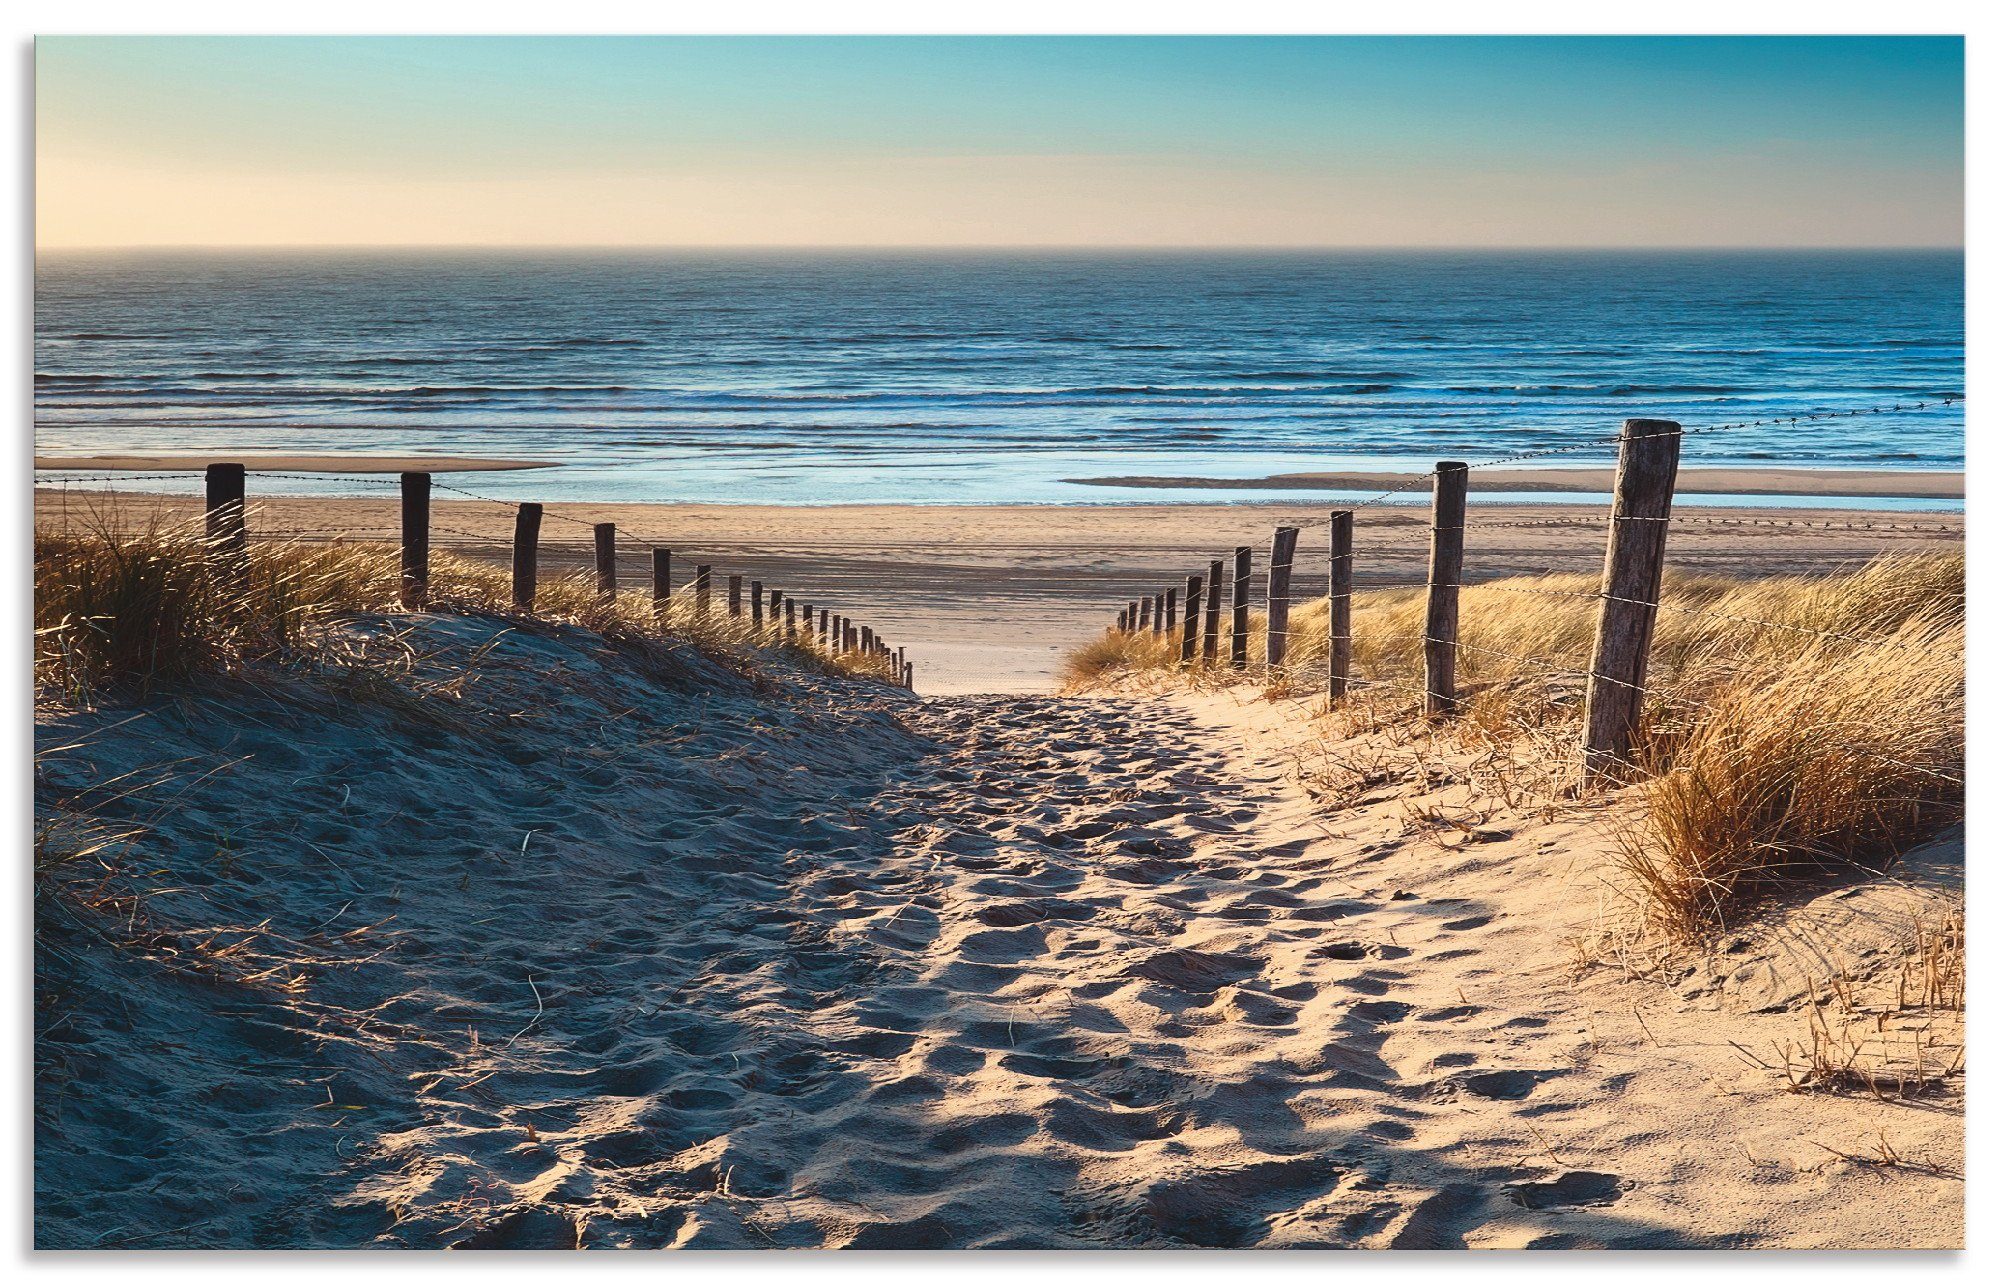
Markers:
{"x": 1794, "y": 723}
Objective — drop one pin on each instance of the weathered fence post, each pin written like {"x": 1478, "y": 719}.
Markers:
{"x": 1239, "y": 612}
{"x": 1649, "y": 454}
{"x": 1145, "y": 614}
{"x": 1170, "y": 609}
{"x": 1191, "y": 619}
{"x": 1339, "y": 602}
{"x": 791, "y": 621}
{"x": 416, "y": 540}
{"x": 1278, "y": 598}
{"x": 1447, "y": 569}
{"x": 527, "y": 546}
{"x": 1123, "y": 612}
{"x": 225, "y": 486}
{"x": 777, "y": 598}
{"x": 1159, "y": 613}
{"x": 736, "y": 597}
{"x": 701, "y": 591}
{"x": 1211, "y": 617}
{"x": 663, "y": 583}
{"x": 825, "y": 623}
{"x": 867, "y": 640}
{"x": 909, "y": 676}
{"x": 605, "y": 534}
{"x": 757, "y": 606}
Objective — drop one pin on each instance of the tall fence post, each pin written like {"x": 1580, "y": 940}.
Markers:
{"x": 1447, "y": 569}
{"x": 225, "y": 486}
{"x": 1211, "y": 616}
{"x": 1649, "y": 454}
{"x": 1191, "y": 619}
{"x": 701, "y": 591}
{"x": 757, "y": 606}
{"x": 1278, "y": 598}
{"x": 663, "y": 583}
{"x": 825, "y": 623}
{"x": 527, "y": 548}
{"x": 791, "y": 620}
{"x": 228, "y": 540}
{"x": 605, "y": 536}
{"x": 1123, "y": 613}
{"x": 1239, "y": 612}
{"x": 777, "y": 599}
{"x": 867, "y": 640}
{"x": 416, "y": 540}
{"x": 1170, "y": 610}
{"x": 1339, "y": 602}
{"x": 1159, "y": 613}
{"x": 1145, "y": 614}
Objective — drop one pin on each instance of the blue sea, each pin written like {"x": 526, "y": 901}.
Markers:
{"x": 952, "y": 377}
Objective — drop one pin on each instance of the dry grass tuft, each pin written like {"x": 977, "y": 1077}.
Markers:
{"x": 1827, "y": 733}
{"x": 142, "y": 607}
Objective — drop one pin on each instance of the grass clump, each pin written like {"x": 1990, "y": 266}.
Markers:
{"x": 1793, "y": 723}
{"x": 156, "y": 605}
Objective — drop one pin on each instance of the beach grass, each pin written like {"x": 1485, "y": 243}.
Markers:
{"x": 138, "y": 607}
{"x": 1793, "y": 723}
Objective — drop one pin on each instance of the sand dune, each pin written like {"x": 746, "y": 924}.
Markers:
{"x": 989, "y": 599}
{"x": 655, "y": 954}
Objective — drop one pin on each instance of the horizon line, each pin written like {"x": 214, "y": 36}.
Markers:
{"x": 994, "y": 247}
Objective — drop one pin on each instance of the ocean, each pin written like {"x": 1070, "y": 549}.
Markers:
{"x": 957, "y": 377}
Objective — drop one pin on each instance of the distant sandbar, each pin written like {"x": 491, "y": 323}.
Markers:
{"x": 291, "y": 463}
{"x": 1877, "y": 483}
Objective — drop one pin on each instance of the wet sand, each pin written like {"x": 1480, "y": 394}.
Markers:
{"x": 989, "y": 598}
{"x": 289, "y": 463}
{"x": 1843, "y": 483}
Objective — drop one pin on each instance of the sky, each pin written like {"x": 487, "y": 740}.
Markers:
{"x": 962, "y": 141}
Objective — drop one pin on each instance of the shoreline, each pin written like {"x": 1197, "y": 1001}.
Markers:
{"x": 1831, "y": 483}
{"x": 990, "y": 598}
{"x": 297, "y": 463}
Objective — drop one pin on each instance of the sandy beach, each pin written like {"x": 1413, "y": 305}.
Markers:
{"x": 1844, "y": 483}
{"x": 585, "y": 952}
{"x": 989, "y": 598}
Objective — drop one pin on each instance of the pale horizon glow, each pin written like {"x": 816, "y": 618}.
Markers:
{"x": 1056, "y": 143}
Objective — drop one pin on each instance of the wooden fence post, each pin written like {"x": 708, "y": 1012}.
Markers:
{"x": 757, "y": 606}
{"x": 825, "y": 623}
{"x": 527, "y": 548}
{"x": 736, "y": 597}
{"x": 909, "y": 676}
{"x": 1211, "y": 617}
{"x": 1159, "y": 613}
{"x": 1649, "y": 453}
{"x": 663, "y": 583}
{"x": 416, "y": 540}
{"x": 791, "y": 621}
{"x": 1145, "y": 614}
{"x": 777, "y": 598}
{"x": 1191, "y": 619}
{"x": 1123, "y": 611}
{"x": 701, "y": 591}
{"x": 225, "y": 486}
{"x": 1239, "y": 612}
{"x": 1170, "y": 609}
{"x": 1278, "y": 598}
{"x": 605, "y": 534}
{"x": 867, "y": 640}
{"x": 1339, "y": 602}
{"x": 1448, "y": 486}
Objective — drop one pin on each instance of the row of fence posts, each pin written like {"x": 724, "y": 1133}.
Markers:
{"x": 225, "y": 487}
{"x": 1634, "y": 562}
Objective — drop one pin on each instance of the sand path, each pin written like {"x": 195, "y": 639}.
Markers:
{"x": 1083, "y": 974}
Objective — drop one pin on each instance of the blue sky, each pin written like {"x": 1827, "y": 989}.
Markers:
{"x": 1031, "y": 141}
